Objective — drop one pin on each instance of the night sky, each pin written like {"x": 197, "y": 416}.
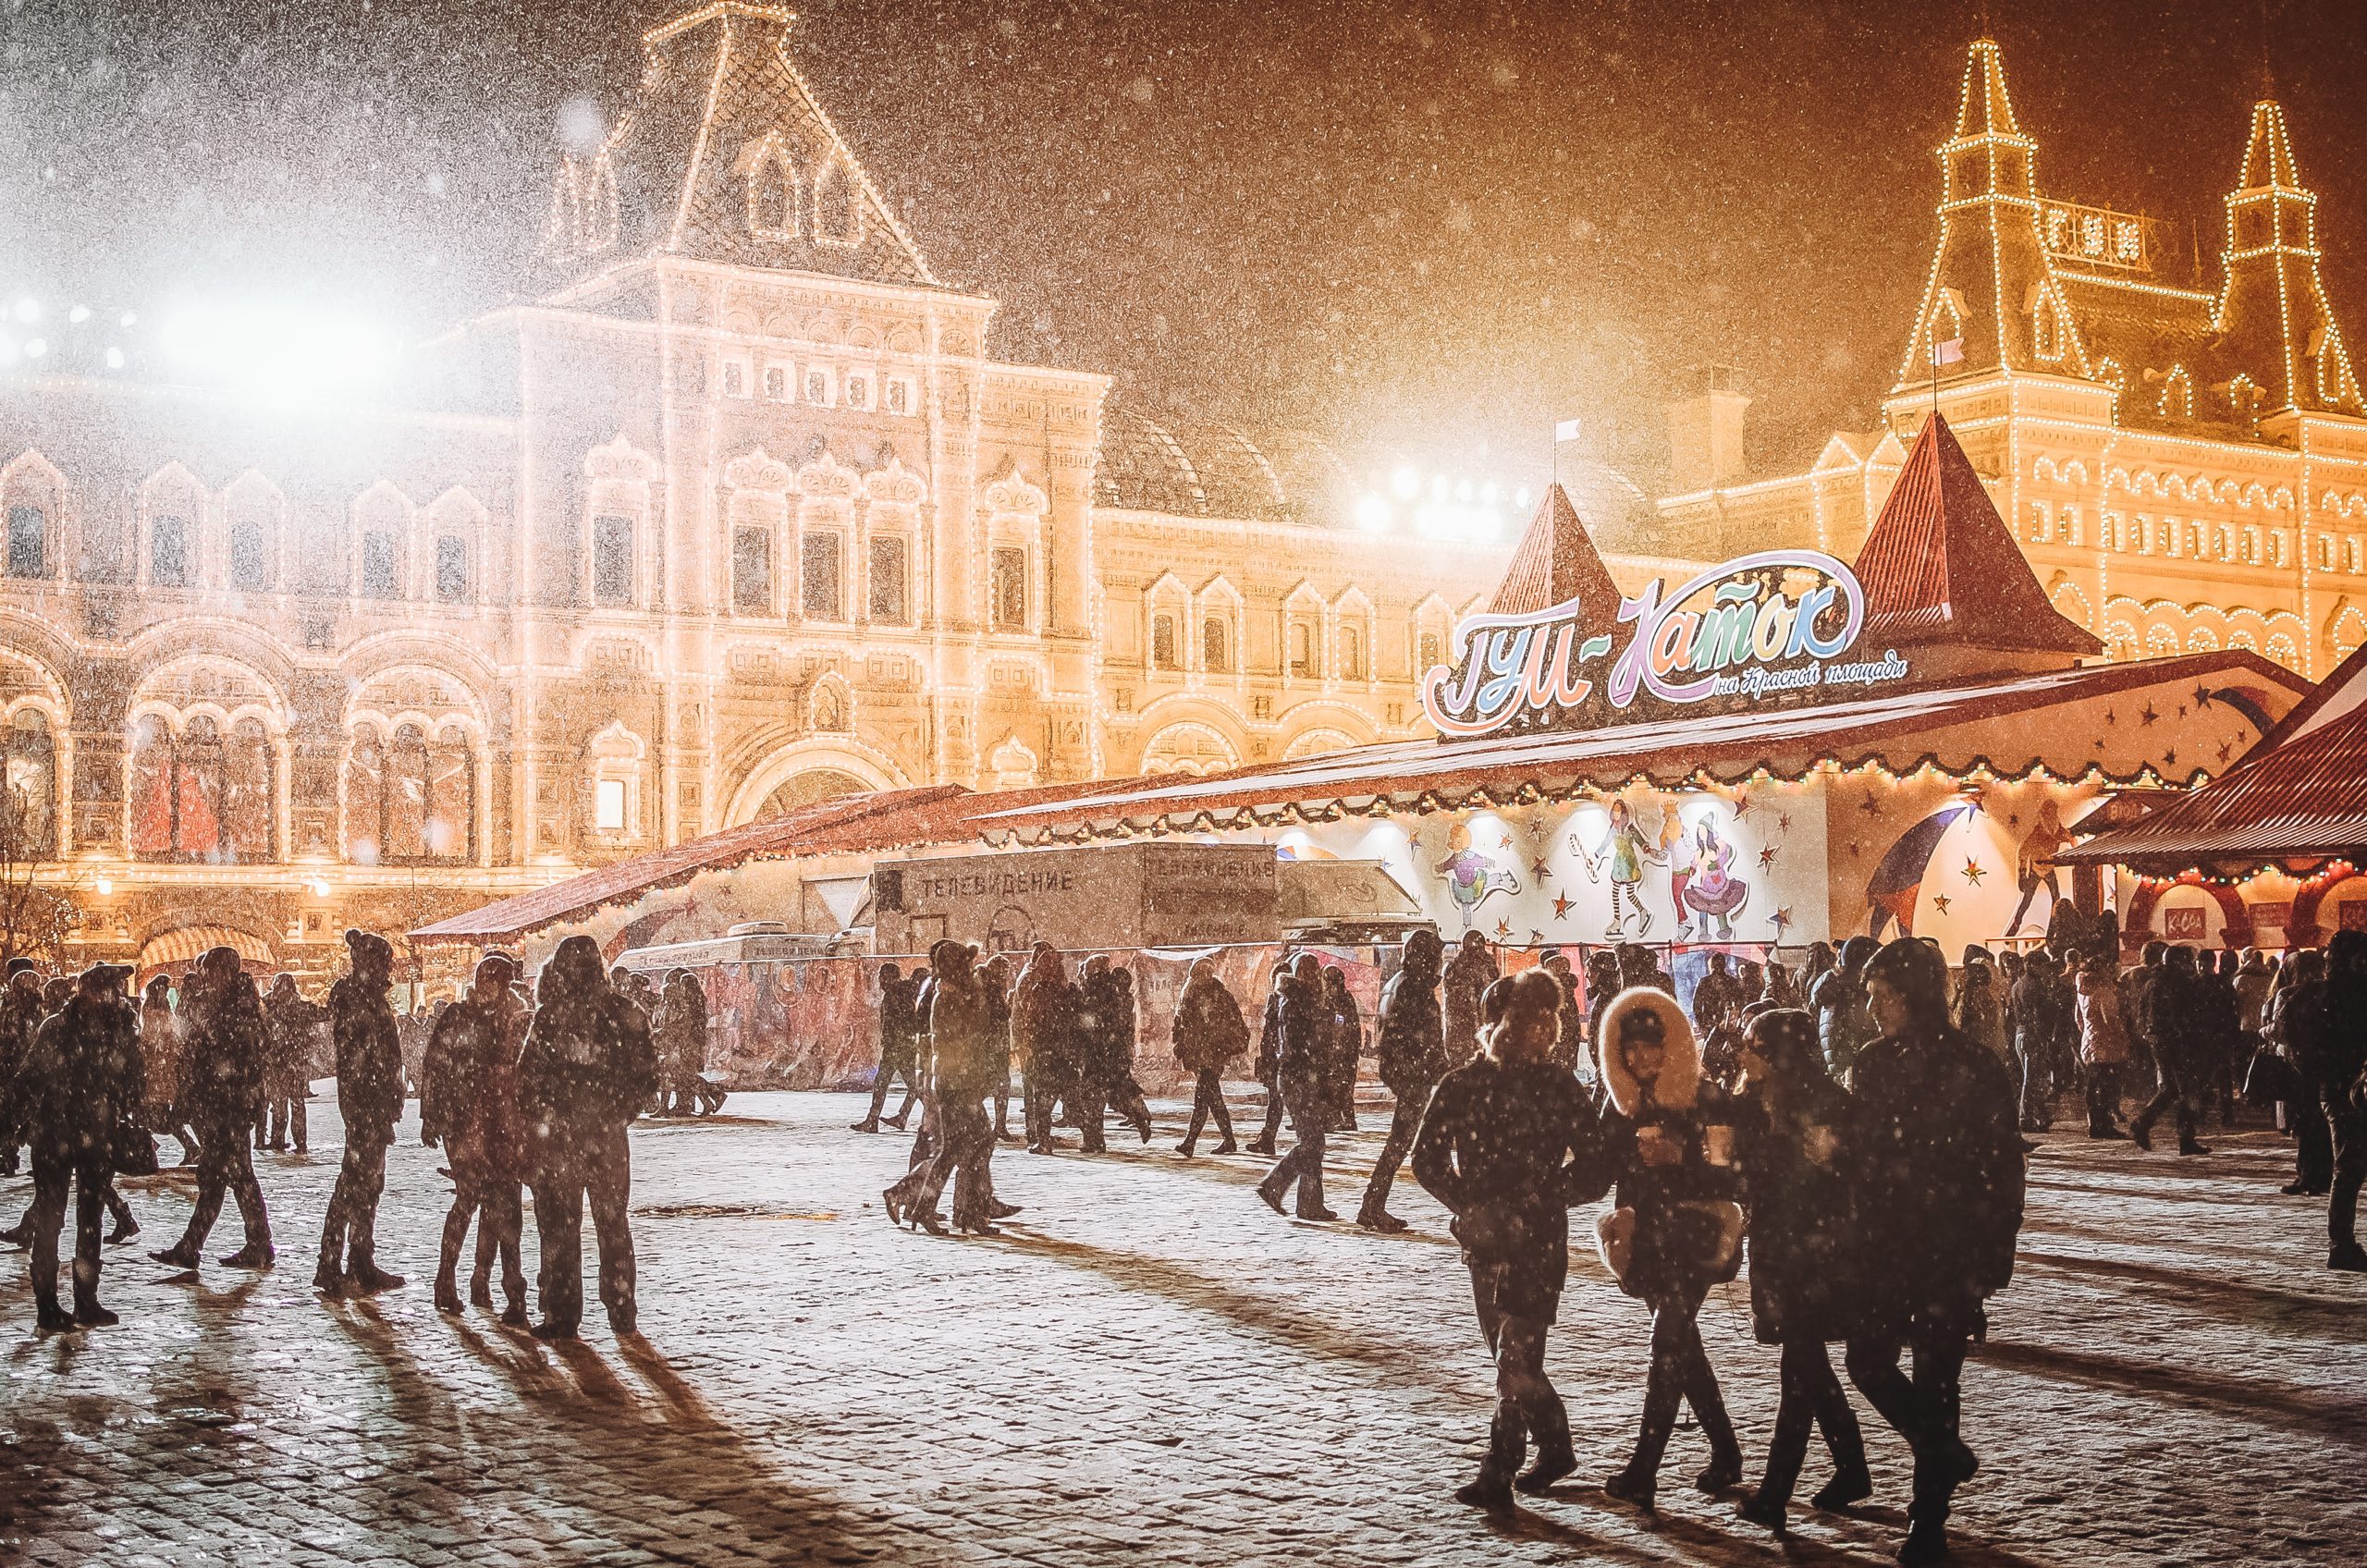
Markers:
{"x": 1425, "y": 230}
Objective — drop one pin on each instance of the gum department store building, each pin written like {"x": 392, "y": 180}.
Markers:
{"x": 738, "y": 514}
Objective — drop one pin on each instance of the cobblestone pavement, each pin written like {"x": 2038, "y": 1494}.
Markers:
{"x": 1148, "y": 1368}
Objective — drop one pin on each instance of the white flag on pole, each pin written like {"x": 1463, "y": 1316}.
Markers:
{"x": 1566, "y": 431}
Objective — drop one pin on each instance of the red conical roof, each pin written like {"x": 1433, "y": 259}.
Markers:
{"x": 1557, "y": 561}
{"x": 1941, "y": 567}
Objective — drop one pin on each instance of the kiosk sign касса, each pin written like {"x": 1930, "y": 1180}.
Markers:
{"x": 1758, "y": 629}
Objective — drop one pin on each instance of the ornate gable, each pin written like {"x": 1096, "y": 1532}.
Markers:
{"x": 725, "y": 156}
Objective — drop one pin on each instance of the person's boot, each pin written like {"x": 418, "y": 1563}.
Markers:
{"x": 1228, "y": 1146}
{"x": 1630, "y": 1486}
{"x": 48, "y": 1317}
{"x": 180, "y": 1254}
{"x": 514, "y": 1314}
{"x": 624, "y": 1320}
{"x": 448, "y": 1289}
{"x": 1372, "y": 1217}
{"x": 1926, "y": 1544}
{"x": 2187, "y": 1145}
{"x": 1549, "y": 1466}
{"x": 124, "y": 1230}
{"x": 1847, "y": 1487}
{"x": 1186, "y": 1148}
{"x": 86, "y": 1310}
{"x": 255, "y": 1254}
{"x": 1724, "y": 1470}
{"x": 17, "y": 1236}
{"x": 1488, "y": 1490}
{"x": 368, "y": 1278}
{"x": 2348, "y": 1256}
{"x": 868, "y": 1124}
{"x": 895, "y": 1121}
{"x": 1761, "y": 1508}
{"x": 997, "y": 1209}
{"x": 553, "y": 1329}
{"x": 481, "y": 1288}
{"x": 2140, "y": 1132}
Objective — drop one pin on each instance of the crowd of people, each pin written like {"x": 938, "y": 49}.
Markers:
{"x": 1857, "y": 1131}
{"x": 521, "y": 1088}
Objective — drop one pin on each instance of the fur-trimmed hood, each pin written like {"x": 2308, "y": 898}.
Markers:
{"x": 1681, "y": 1062}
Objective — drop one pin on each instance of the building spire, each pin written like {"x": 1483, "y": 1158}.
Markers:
{"x": 1985, "y": 108}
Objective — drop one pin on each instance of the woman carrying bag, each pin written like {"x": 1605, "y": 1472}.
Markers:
{"x": 1675, "y": 1229}
{"x": 1804, "y": 1265}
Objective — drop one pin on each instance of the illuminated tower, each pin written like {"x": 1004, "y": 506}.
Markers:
{"x": 2273, "y": 308}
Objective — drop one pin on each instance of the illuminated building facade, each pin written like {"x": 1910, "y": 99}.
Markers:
{"x": 738, "y": 514}
{"x": 2183, "y": 458}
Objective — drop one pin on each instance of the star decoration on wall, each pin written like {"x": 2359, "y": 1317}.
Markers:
{"x": 2224, "y": 752}
{"x": 1504, "y": 930}
{"x": 2181, "y": 710}
{"x": 2201, "y": 695}
{"x": 2169, "y": 759}
{"x": 2149, "y": 716}
{"x": 1869, "y": 806}
{"x": 1535, "y": 939}
{"x": 2111, "y": 717}
{"x": 1940, "y": 902}
{"x": 1742, "y": 803}
{"x": 1767, "y": 857}
{"x": 1538, "y": 867}
{"x": 1561, "y": 906}
{"x": 1784, "y": 824}
{"x": 1974, "y": 871}
{"x": 1507, "y": 842}
{"x": 1782, "y": 918}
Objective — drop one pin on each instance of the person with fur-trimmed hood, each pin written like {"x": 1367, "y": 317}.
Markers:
{"x": 1675, "y": 1229}
{"x": 1790, "y": 1120}
{"x": 587, "y": 1070}
{"x": 220, "y": 1090}
{"x": 78, "y": 1084}
{"x": 468, "y": 1102}
{"x": 1508, "y": 1144}
{"x": 1411, "y": 1051}
{"x": 1939, "y": 1163}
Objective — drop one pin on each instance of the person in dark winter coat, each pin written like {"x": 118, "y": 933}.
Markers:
{"x": 1106, "y": 1027}
{"x": 1270, "y": 1046}
{"x": 1838, "y": 998}
{"x": 1602, "y": 984}
{"x": 2302, "y": 1117}
{"x": 370, "y": 1102}
{"x": 1938, "y": 1155}
{"x": 76, "y": 1086}
{"x": 2179, "y": 1020}
{"x": 1674, "y": 1231}
{"x": 1300, "y": 1067}
{"x": 288, "y": 1021}
{"x": 1209, "y": 1034}
{"x": 899, "y": 1049}
{"x": 1411, "y": 1051}
{"x": 1468, "y": 975}
{"x": 2043, "y": 1033}
{"x": 160, "y": 1058}
{"x": 1507, "y": 1144}
{"x": 1570, "y": 1019}
{"x": 587, "y": 1068}
{"x": 965, "y": 1056}
{"x": 468, "y": 1102}
{"x": 221, "y": 1086}
{"x": 2327, "y": 1024}
{"x": 1347, "y": 1046}
{"x": 1718, "y": 998}
{"x": 1043, "y": 1042}
{"x": 678, "y": 1031}
{"x": 1805, "y": 1261}
{"x": 20, "y": 1016}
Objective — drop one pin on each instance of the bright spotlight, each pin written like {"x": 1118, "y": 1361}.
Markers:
{"x": 35, "y": 348}
{"x": 115, "y": 359}
{"x": 1407, "y": 483}
{"x": 1372, "y": 514}
{"x": 278, "y": 352}
{"x": 79, "y": 314}
{"x": 27, "y": 308}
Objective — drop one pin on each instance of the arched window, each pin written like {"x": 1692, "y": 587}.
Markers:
{"x": 1216, "y": 645}
{"x": 2160, "y": 643}
{"x": 28, "y": 541}
{"x": 2282, "y": 651}
{"x": 1007, "y": 589}
{"x": 168, "y": 552}
{"x": 772, "y": 197}
{"x": 31, "y": 828}
{"x": 1305, "y": 648}
{"x": 1426, "y": 654}
{"x": 1162, "y": 641}
{"x": 408, "y": 802}
{"x": 1351, "y": 653}
{"x": 197, "y": 795}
